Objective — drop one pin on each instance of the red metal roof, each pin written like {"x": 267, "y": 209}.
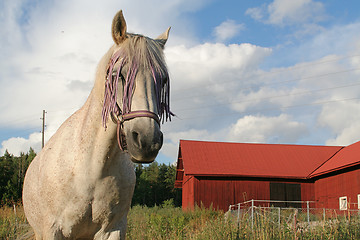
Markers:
{"x": 252, "y": 160}
{"x": 347, "y": 157}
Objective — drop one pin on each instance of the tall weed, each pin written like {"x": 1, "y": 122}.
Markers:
{"x": 169, "y": 222}
{"x": 12, "y": 222}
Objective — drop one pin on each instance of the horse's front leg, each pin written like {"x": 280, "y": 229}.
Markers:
{"x": 115, "y": 233}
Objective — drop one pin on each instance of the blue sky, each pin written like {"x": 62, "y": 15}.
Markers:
{"x": 279, "y": 71}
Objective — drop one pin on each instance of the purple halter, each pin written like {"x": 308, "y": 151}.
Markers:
{"x": 118, "y": 115}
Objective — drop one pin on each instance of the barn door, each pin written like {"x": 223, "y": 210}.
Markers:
{"x": 285, "y": 192}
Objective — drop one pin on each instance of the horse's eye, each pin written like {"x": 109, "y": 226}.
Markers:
{"x": 121, "y": 76}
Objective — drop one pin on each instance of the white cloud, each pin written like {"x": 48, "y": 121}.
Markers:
{"x": 256, "y": 13}
{"x": 17, "y": 145}
{"x": 171, "y": 146}
{"x": 342, "y": 119}
{"x": 205, "y": 77}
{"x": 288, "y": 12}
{"x": 227, "y": 30}
{"x": 284, "y": 12}
{"x": 265, "y": 129}
{"x": 347, "y": 136}
{"x": 209, "y": 63}
{"x": 337, "y": 40}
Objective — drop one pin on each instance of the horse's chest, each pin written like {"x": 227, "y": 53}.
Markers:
{"x": 113, "y": 193}
{"x": 102, "y": 198}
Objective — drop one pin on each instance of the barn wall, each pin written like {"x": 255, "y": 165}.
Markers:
{"x": 330, "y": 188}
{"x": 308, "y": 194}
{"x": 188, "y": 192}
{"x": 219, "y": 193}
{"x": 247, "y": 190}
{"x": 216, "y": 193}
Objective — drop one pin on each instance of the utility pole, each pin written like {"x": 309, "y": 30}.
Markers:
{"x": 43, "y": 129}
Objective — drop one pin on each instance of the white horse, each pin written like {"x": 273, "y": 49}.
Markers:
{"x": 81, "y": 184}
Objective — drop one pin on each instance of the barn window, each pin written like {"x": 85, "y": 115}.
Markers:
{"x": 343, "y": 203}
{"x": 285, "y": 192}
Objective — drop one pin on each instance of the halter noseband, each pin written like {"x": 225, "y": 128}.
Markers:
{"x": 120, "y": 119}
{"x": 111, "y": 106}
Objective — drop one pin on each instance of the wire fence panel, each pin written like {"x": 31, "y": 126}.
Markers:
{"x": 253, "y": 211}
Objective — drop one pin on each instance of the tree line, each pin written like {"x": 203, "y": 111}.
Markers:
{"x": 154, "y": 182}
{"x": 12, "y": 174}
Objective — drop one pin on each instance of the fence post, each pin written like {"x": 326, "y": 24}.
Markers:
{"x": 252, "y": 213}
{"x": 308, "y": 212}
{"x": 279, "y": 215}
{"x": 238, "y": 214}
{"x": 324, "y": 214}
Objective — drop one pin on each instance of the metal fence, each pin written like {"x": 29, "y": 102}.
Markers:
{"x": 285, "y": 212}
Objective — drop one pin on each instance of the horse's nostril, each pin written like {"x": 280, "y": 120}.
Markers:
{"x": 146, "y": 142}
{"x": 136, "y": 139}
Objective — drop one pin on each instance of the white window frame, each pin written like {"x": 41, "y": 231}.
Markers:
{"x": 343, "y": 202}
{"x": 358, "y": 196}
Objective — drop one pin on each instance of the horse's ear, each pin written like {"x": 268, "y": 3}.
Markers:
{"x": 119, "y": 28}
{"x": 163, "y": 37}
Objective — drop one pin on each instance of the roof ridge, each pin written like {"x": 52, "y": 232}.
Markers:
{"x": 258, "y": 143}
{"x": 309, "y": 176}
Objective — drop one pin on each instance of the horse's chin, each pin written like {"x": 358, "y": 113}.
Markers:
{"x": 134, "y": 160}
{"x": 142, "y": 159}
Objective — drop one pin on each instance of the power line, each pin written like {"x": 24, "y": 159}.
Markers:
{"x": 267, "y": 84}
{"x": 279, "y": 71}
{"x": 266, "y": 109}
{"x": 271, "y": 97}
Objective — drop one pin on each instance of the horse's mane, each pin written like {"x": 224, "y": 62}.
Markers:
{"x": 138, "y": 52}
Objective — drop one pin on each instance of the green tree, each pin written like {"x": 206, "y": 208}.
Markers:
{"x": 7, "y": 170}
{"x": 12, "y": 173}
{"x": 155, "y": 184}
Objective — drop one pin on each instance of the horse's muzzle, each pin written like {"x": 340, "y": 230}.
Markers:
{"x": 143, "y": 146}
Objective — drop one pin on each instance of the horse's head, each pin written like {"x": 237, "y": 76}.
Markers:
{"x": 137, "y": 91}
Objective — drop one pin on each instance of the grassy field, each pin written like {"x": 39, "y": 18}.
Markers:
{"x": 168, "y": 222}
{"x": 13, "y": 222}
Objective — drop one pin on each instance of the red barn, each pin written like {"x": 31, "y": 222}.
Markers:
{"x": 219, "y": 174}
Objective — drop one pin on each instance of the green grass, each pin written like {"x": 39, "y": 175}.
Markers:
{"x": 168, "y": 222}
{"x": 173, "y": 223}
{"x": 13, "y": 222}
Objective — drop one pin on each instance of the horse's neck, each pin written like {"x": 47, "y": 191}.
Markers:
{"x": 100, "y": 143}
{"x": 92, "y": 109}
{"x": 99, "y": 85}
